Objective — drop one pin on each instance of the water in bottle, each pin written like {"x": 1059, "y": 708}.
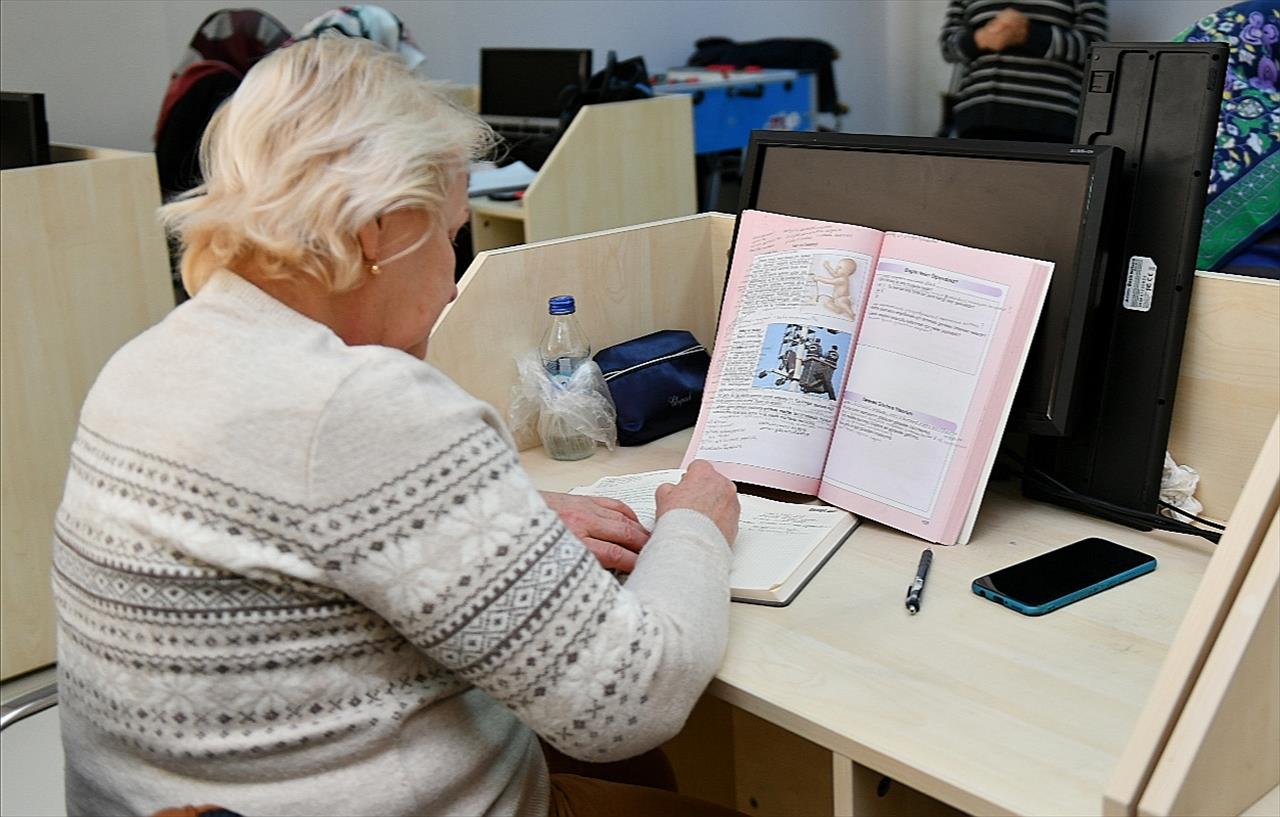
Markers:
{"x": 563, "y": 349}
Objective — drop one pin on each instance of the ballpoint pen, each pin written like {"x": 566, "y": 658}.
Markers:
{"x": 917, "y": 584}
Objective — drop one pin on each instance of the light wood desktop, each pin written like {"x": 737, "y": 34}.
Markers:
{"x": 84, "y": 269}
{"x": 970, "y": 703}
{"x": 966, "y": 706}
{"x": 617, "y": 164}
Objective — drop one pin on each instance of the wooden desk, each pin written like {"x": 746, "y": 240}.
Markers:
{"x": 968, "y": 706}
{"x": 496, "y": 223}
{"x": 617, "y": 164}
{"x": 974, "y": 705}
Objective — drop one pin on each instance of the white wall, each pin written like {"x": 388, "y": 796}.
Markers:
{"x": 104, "y": 64}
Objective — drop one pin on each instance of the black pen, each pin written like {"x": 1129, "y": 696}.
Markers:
{"x": 917, "y": 585}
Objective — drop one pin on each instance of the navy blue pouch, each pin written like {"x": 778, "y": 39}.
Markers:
{"x": 656, "y": 383}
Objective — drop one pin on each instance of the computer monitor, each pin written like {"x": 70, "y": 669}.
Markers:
{"x": 1159, "y": 103}
{"x": 24, "y": 137}
{"x": 526, "y": 83}
{"x": 1043, "y": 201}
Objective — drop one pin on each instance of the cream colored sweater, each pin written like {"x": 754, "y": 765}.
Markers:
{"x": 298, "y": 577}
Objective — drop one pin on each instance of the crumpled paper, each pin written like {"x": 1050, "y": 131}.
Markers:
{"x": 1177, "y": 487}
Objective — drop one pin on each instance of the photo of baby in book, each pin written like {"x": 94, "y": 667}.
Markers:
{"x": 840, "y": 277}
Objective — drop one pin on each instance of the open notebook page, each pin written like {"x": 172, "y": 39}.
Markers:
{"x": 774, "y": 538}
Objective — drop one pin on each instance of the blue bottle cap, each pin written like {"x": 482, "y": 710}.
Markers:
{"x": 561, "y": 305}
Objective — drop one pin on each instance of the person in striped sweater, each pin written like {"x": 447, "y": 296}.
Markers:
{"x": 1020, "y": 64}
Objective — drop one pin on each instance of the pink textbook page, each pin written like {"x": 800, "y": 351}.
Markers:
{"x": 961, "y": 477}
{"x": 784, "y": 291}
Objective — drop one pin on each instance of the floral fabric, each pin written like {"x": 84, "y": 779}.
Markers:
{"x": 1244, "y": 184}
{"x": 371, "y": 23}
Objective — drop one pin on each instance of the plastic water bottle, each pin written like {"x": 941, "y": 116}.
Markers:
{"x": 563, "y": 349}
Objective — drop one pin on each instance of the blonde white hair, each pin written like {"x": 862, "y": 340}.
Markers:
{"x": 321, "y": 138}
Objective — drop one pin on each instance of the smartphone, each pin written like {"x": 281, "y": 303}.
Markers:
{"x": 1059, "y": 577}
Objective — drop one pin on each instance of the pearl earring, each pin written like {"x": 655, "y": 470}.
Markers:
{"x": 374, "y": 269}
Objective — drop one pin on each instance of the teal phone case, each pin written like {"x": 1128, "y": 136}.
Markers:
{"x": 1063, "y": 601}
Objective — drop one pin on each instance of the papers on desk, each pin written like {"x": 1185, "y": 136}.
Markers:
{"x": 486, "y": 179}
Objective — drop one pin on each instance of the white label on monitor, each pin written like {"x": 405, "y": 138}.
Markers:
{"x": 1139, "y": 284}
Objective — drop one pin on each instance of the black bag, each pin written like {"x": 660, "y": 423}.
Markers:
{"x": 617, "y": 82}
{"x": 656, "y": 383}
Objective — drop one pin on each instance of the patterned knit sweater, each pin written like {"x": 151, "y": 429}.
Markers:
{"x": 297, "y": 577}
{"x": 1034, "y": 86}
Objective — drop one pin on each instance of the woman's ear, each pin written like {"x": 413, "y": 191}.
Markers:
{"x": 370, "y": 238}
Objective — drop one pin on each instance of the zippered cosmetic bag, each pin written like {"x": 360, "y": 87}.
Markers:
{"x": 656, "y": 383}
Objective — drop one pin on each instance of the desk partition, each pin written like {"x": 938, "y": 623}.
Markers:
{"x": 617, "y": 164}
{"x": 1229, "y": 382}
{"x": 1208, "y": 739}
{"x": 84, "y": 269}
{"x": 627, "y": 283}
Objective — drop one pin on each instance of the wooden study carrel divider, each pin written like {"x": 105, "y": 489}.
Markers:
{"x": 84, "y": 270}
{"x": 617, "y": 163}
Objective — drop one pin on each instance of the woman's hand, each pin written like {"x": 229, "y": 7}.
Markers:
{"x": 607, "y": 527}
{"x": 704, "y": 490}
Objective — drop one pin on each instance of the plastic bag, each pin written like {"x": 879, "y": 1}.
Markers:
{"x": 1178, "y": 487}
{"x": 582, "y": 406}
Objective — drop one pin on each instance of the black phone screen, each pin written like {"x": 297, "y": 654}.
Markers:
{"x": 1060, "y": 572}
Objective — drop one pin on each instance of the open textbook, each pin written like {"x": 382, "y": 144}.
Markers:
{"x": 780, "y": 545}
{"x": 873, "y": 370}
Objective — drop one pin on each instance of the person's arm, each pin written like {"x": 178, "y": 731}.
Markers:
{"x": 424, "y": 515}
{"x": 957, "y": 38}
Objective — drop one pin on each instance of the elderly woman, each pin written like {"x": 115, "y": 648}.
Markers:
{"x": 297, "y": 569}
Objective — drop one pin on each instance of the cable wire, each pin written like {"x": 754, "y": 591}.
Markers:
{"x": 1140, "y": 519}
{"x": 1206, "y": 522}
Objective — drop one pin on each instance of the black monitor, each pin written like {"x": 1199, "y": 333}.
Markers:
{"x": 1159, "y": 103}
{"x": 526, "y": 83}
{"x": 24, "y": 132}
{"x": 1044, "y": 201}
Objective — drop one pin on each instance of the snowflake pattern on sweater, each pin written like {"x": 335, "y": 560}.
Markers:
{"x": 221, "y": 602}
